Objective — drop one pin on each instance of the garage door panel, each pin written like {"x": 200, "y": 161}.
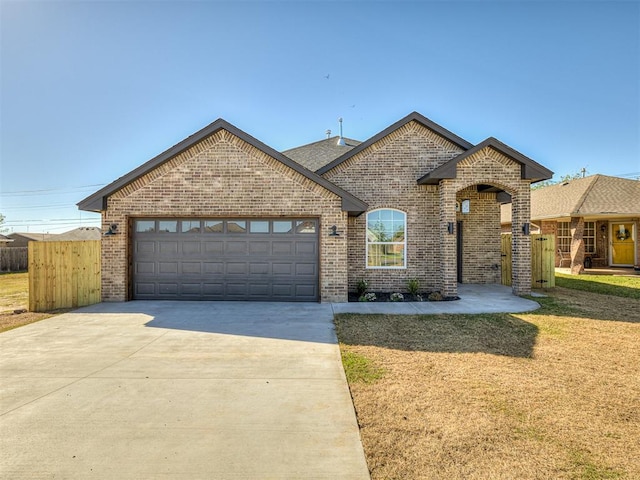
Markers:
{"x": 236, "y": 268}
{"x": 213, "y": 268}
{"x": 213, "y": 289}
{"x": 236, "y": 247}
{"x": 283, "y": 290}
{"x": 282, "y": 268}
{"x": 259, "y": 290}
{"x": 256, "y": 268}
{"x": 168, "y": 268}
{"x": 306, "y": 269}
{"x": 145, "y": 289}
{"x": 191, "y": 248}
{"x": 259, "y": 248}
{"x": 306, "y": 248}
{"x": 168, "y": 248}
{"x": 191, "y": 289}
{"x": 308, "y": 290}
{"x": 145, "y": 247}
{"x": 169, "y": 288}
{"x": 145, "y": 268}
{"x": 214, "y": 248}
{"x": 191, "y": 268}
{"x": 282, "y": 248}
{"x": 236, "y": 289}
{"x": 208, "y": 259}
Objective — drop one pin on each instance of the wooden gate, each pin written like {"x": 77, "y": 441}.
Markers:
{"x": 543, "y": 248}
{"x": 63, "y": 274}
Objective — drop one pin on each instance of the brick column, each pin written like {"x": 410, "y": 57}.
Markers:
{"x": 577, "y": 245}
{"x": 521, "y": 243}
{"x": 448, "y": 259}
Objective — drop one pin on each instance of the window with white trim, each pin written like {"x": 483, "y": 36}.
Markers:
{"x": 589, "y": 237}
{"x": 564, "y": 236}
{"x": 386, "y": 238}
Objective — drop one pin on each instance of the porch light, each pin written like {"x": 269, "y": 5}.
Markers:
{"x": 450, "y": 228}
{"x": 334, "y": 231}
{"x": 525, "y": 229}
{"x": 112, "y": 229}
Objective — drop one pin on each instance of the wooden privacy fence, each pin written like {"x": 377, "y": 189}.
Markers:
{"x": 543, "y": 260}
{"x": 13, "y": 259}
{"x": 63, "y": 274}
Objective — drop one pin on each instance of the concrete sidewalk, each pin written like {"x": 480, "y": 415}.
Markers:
{"x": 473, "y": 299}
{"x": 168, "y": 390}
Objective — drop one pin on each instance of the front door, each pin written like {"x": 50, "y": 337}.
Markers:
{"x": 623, "y": 243}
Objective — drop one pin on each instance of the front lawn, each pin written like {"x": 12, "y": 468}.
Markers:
{"x": 14, "y": 296}
{"x": 550, "y": 394}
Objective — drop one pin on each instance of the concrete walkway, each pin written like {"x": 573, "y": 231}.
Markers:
{"x": 473, "y": 299}
{"x": 178, "y": 390}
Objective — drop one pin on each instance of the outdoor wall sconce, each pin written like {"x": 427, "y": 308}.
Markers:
{"x": 450, "y": 228}
{"x": 112, "y": 229}
{"x": 603, "y": 228}
{"x": 525, "y": 229}
{"x": 334, "y": 231}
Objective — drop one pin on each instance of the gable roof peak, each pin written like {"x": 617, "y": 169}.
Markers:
{"x": 98, "y": 200}
{"x": 412, "y": 117}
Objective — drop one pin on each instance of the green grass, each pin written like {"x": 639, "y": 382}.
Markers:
{"x": 358, "y": 368}
{"x": 619, "y": 286}
{"x": 14, "y": 290}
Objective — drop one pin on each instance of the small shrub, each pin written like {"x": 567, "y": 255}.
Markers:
{"x": 435, "y": 297}
{"x": 367, "y": 297}
{"x": 362, "y": 287}
{"x": 419, "y": 298}
{"x": 397, "y": 297}
{"x": 413, "y": 286}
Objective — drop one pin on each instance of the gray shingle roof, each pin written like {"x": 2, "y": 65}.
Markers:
{"x": 596, "y": 195}
{"x": 81, "y": 233}
{"x": 316, "y": 155}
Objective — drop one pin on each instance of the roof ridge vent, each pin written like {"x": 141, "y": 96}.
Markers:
{"x": 341, "y": 141}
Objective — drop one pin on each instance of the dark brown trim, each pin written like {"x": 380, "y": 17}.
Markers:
{"x": 97, "y": 202}
{"x": 530, "y": 170}
{"x": 414, "y": 116}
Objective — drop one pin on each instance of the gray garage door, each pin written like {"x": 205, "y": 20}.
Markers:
{"x": 225, "y": 259}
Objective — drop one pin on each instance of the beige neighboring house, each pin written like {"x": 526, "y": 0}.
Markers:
{"x": 595, "y": 220}
{"x": 22, "y": 239}
{"x": 79, "y": 234}
{"x": 222, "y": 216}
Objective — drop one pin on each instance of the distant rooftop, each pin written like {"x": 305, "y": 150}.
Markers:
{"x": 316, "y": 155}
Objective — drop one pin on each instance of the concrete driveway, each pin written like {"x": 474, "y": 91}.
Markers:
{"x": 163, "y": 390}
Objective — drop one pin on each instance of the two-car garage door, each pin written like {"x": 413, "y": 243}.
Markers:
{"x": 225, "y": 259}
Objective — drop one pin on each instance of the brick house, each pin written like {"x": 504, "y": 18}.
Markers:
{"x": 222, "y": 216}
{"x": 594, "y": 219}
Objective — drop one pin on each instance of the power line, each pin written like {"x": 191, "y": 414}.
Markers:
{"x": 50, "y": 191}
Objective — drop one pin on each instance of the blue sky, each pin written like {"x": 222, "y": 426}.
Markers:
{"x": 90, "y": 90}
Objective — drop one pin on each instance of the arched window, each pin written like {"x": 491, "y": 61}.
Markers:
{"x": 386, "y": 239}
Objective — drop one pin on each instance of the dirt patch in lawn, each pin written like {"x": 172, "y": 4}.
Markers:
{"x": 551, "y": 394}
{"x": 11, "y": 320}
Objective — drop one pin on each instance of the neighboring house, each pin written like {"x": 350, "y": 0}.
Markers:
{"x": 79, "y": 234}
{"x": 5, "y": 241}
{"x": 22, "y": 239}
{"x": 595, "y": 221}
{"x": 223, "y": 216}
